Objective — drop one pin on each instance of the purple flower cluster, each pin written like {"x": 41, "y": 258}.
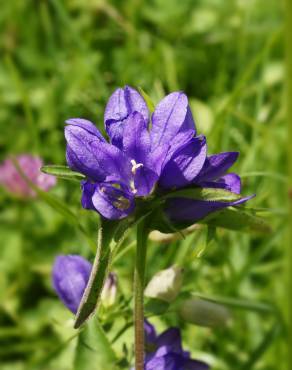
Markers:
{"x": 165, "y": 352}
{"x": 147, "y": 155}
{"x": 70, "y": 276}
{"x": 14, "y": 183}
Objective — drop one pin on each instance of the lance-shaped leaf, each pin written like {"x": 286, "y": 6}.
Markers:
{"x": 99, "y": 272}
{"x": 206, "y": 194}
{"x": 62, "y": 172}
{"x": 238, "y": 219}
{"x": 111, "y": 235}
{"x": 93, "y": 349}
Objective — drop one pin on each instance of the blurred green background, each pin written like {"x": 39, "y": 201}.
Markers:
{"x": 62, "y": 59}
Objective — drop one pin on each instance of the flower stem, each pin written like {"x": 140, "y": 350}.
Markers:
{"x": 140, "y": 264}
{"x": 288, "y": 256}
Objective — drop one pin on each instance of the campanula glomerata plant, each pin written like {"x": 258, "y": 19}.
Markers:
{"x": 152, "y": 172}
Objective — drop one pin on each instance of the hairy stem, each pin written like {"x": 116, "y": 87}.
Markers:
{"x": 139, "y": 278}
{"x": 288, "y": 256}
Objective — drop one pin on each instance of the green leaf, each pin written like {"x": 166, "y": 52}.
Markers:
{"x": 240, "y": 219}
{"x": 239, "y": 303}
{"x": 147, "y": 99}
{"x": 155, "y": 307}
{"x": 111, "y": 235}
{"x": 262, "y": 347}
{"x": 63, "y": 172}
{"x": 206, "y": 194}
{"x": 99, "y": 272}
{"x": 93, "y": 351}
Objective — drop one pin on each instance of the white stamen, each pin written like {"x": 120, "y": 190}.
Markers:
{"x": 132, "y": 186}
{"x": 135, "y": 166}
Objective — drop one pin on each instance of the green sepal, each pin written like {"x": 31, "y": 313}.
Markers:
{"x": 205, "y": 194}
{"x": 147, "y": 99}
{"x": 231, "y": 218}
{"x": 62, "y": 172}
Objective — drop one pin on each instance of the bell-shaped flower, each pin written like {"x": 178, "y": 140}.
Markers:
{"x": 70, "y": 276}
{"x": 165, "y": 352}
{"x": 146, "y": 156}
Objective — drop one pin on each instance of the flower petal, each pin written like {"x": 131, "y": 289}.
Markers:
{"x": 150, "y": 332}
{"x": 112, "y": 202}
{"x": 171, "y": 115}
{"x": 195, "y": 365}
{"x": 230, "y": 182}
{"x": 121, "y": 104}
{"x": 180, "y": 140}
{"x": 144, "y": 181}
{"x": 88, "y": 190}
{"x": 169, "y": 341}
{"x": 216, "y": 166}
{"x": 171, "y": 361}
{"x": 189, "y": 122}
{"x": 79, "y": 153}
{"x": 70, "y": 276}
{"x": 112, "y": 161}
{"x": 185, "y": 164}
{"x": 136, "y": 138}
{"x": 86, "y": 125}
{"x": 182, "y": 209}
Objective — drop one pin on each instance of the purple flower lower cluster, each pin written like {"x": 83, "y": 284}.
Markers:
{"x": 70, "y": 276}
{"x": 147, "y": 155}
{"x": 165, "y": 352}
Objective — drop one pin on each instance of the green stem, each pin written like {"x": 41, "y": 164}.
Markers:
{"x": 288, "y": 255}
{"x": 140, "y": 264}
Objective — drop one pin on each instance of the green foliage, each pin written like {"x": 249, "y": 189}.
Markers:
{"x": 93, "y": 350}
{"x": 63, "y": 172}
{"x": 62, "y": 59}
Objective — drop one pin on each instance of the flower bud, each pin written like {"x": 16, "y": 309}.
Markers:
{"x": 204, "y": 313}
{"x": 30, "y": 165}
{"x": 165, "y": 238}
{"x": 166, "y": 284}
{"x": 70, "y": 276}
{"x": 109, "y": 292}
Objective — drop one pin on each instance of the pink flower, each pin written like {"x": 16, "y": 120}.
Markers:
{"x": 14, "y": 183}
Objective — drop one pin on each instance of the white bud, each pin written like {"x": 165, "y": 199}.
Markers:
{"x": 165, "y": 284}
{"x": 165, "y": 238}
{"x": 204, "y": 313}
{"x": 109, "y": 292}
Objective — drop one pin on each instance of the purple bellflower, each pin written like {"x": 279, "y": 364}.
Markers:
{"x": 70, "y": 276}
{"x": 147, "y": 156}
{"x": 165, "y": 352}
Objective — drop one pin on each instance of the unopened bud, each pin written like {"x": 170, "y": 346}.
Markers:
{"x": 165, "y": 238}
{"x": 204, "y": 313}
{"x": 109, "y": 292}
{"x": 166, "y": 284}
